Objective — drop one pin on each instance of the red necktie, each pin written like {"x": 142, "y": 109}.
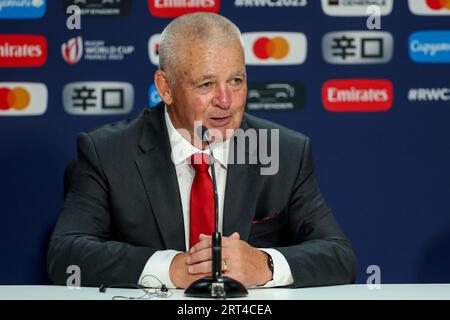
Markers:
{"x": 202, "y": 199}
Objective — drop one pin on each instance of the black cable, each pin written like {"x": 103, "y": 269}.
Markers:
{"x": 159, "y": 292}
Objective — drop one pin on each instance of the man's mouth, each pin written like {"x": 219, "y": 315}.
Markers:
{"x": 220, "y": 121}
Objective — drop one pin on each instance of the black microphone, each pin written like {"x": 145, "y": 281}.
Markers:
{"x": 217, "y": 286}
{"x": 202, "y": 132}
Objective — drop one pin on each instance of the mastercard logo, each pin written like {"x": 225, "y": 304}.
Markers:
{"x": 438, "y": 4}
{"x": 17, "y": 98}
{"x": 265, "y": 48}
{"x": 23, "y": 98}
{"x": 274, "y": 48}
{"x": 430, "y": 7}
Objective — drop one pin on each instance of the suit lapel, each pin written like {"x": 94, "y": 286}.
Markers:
{"x": 240, "y": 196}
{"x": 160, "y": 180}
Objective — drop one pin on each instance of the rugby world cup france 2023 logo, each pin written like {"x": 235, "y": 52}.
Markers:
{"x": 72, "y": 50}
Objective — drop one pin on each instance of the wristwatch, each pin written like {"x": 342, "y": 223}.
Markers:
{"x": 270, "y": 263}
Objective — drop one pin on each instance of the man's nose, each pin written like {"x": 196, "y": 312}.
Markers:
{"x": 222, "y": 97}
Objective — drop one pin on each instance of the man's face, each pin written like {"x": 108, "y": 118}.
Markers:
{"x": 210, "y": 87}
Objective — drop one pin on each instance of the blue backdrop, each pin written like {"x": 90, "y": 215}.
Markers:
{"x": 386, "y": 174}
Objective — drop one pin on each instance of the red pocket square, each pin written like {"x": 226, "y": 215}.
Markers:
{"x": 266, "y": 218}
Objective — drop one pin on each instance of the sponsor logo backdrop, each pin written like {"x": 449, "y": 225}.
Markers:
{"x": 376, "y": 104}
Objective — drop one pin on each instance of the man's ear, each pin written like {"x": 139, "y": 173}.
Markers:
{"x": 163, "y": 87}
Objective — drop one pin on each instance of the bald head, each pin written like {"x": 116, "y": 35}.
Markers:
{"x": 207, "y": 29}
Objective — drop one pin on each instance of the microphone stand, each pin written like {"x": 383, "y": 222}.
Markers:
{"x": 216, "y": 286}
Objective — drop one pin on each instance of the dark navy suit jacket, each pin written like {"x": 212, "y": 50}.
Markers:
{"x": 123, "y": 204}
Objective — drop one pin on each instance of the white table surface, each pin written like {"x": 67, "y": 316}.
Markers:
{"x": 345, "y": 292}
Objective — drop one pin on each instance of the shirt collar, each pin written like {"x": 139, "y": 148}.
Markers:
{"x": 183, "y": 149}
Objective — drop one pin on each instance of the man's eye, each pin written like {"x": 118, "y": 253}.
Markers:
{"x": 205, "y": 85}
{"x": 237, "y": 81}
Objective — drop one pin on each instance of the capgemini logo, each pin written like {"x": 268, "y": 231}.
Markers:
{"x": 72, "y": 50}
{"x": 37, "y": 3}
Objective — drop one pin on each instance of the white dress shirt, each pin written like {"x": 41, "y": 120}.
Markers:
{"x": 158, "y": 264}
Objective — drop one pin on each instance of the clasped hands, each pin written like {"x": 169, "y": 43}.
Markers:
{"x": 240, "y": 261}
